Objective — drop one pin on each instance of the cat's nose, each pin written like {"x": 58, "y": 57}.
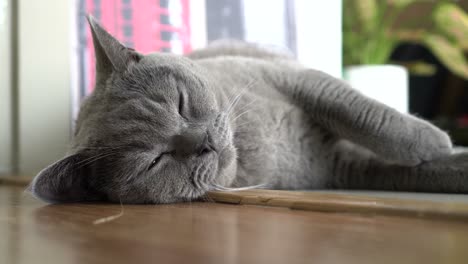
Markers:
{"x": 206, "y": 146}
{"x": 192, "y": 143}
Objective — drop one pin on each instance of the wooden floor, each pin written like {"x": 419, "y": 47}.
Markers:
{"x": 34, "y": 232}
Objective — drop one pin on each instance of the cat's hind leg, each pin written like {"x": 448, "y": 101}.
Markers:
{"x": 333, "y": 104}
{"x": 352, "y": 167}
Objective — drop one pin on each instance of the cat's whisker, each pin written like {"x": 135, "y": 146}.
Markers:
{"x": 246, "y": 105}
{"x": 209, "y": 187}
{"x": 84, "y": 148}
{"x": 244, "y": 124}
{"x": 103, "y": 147}
{"x": 241, "y": 114}
{"x": 96, "y": 155}
{"x": 238, "y": 97}
{"x": 234, "y": 102}
{"x": 95, "y": 158}
{"x": 205, "y": 186}
{"x": 90, "y": 158}
{"x": 106, "y": 148}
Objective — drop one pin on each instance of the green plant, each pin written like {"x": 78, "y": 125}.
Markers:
{"x": 370, "y": 34}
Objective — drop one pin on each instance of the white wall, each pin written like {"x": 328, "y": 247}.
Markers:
{"x": 44, "y": 82}
{"x": 318, "y": 30}
{"x": 198, "y": 23}
{"x": 265, "y": 27}
{"x": 319, "y": 34}
{"x": 5, "y": 89}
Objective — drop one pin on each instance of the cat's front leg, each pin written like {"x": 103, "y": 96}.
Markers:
{"x": 394, "y": 136}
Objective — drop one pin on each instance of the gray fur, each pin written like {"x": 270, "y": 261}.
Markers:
{"x": 249, "y": 116}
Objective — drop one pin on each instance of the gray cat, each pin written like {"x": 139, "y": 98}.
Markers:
{"x": 163, "y": 128}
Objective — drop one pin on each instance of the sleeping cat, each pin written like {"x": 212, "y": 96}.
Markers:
{"x": 163, "y": 128}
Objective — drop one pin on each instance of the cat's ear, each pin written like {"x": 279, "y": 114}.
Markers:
{"x": 66, "y": 180}
{"x": 111, "y": 55}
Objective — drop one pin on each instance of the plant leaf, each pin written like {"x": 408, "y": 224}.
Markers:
{"x": 448, "y": 53}
{"x": 367, "y": 13}
{"x": 400, "y": 3}
{"x": 453, "y": 21}
{"x": 409, "y": 35}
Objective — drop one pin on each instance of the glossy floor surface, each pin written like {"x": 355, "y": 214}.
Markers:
{"x": 34, "y": 232}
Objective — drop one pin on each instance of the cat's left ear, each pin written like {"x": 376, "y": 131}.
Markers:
{"x": 111, "y": 55}
{"x": 67, "y": 180}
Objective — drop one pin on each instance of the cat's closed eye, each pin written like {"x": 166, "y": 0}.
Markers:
{"x": 181, "y": 104}
{"x": 156, "y": 160}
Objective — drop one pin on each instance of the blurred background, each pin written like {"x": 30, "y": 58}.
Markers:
{"x": 408, "y": 54}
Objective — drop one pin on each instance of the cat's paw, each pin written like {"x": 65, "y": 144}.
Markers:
{"x": 425, "y": 142}
{"x": 412, "y": 142}
{"x": 433, "y": 143}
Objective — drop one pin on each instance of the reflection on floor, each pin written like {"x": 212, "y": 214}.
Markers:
{"x": 34, "y": 232}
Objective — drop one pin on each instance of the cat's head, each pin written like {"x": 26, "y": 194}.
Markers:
{"x": 151, "y": 132}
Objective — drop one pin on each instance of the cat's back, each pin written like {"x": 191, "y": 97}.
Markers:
{"x": 239, "y": 48}
{"x": 237, "y": 65}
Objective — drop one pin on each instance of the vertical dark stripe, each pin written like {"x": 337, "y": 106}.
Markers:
{"x": 14, "y": 43}
{"x": 290, "y": 25}
{"x": 81, "y": 31}
{"x": 221, "y": 25}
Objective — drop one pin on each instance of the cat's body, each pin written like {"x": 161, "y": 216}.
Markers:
{"x": 162, "y": 128}
{"x": 277, "y": 143}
